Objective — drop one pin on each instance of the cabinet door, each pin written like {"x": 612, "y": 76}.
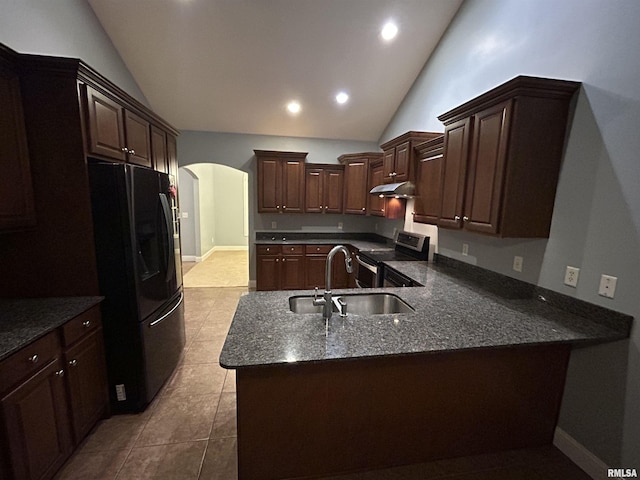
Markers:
{"x": 388, "y": 166}
{"x": 37, "y": 424}
{"x": 268, "y": 272}
{"x": 159, "y": 150}
{"x": 340, "y": 278}
{"x": 314, "y": 188}
{"x": 402, "y": 165}
{"x": 376, "y": 177}
{"x": 486, "y": 169}
{"x": 333, "y": 190}
{"x": 456, "y": 146}
{"x": 356, "y": 187}
{"x": 172, "y": 158}
{"x": 87, "y": 383}
{"x": 315, "y": 267}
{"x": 106, "y": 126}
{"x": 292, "y": 273}
{"x": 269, "y": 178}
{"x": 16, "y": 191}
{"x": 293, "y": 186}
{"x": 428, "y": 186}
{"x": 137, "y": 139}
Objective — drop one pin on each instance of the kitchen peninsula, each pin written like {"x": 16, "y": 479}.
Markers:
{"x": 474, "y": 369}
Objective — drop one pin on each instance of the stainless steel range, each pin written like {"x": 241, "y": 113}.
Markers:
{"x": 408, "y": 247}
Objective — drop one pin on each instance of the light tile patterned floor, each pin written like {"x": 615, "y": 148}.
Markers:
{"x": 189, "y": 430}
{"x": 225, "y": 268}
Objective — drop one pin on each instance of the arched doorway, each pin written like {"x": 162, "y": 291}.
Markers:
{"x": 214, "y": 212}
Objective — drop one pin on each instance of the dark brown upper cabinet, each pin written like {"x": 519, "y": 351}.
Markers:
{"x": 324, "y": 185}
{"x": 428, "y": 181}
{"x": 16, "y": 190}
{"x": 159, "y": 157}
{"x": 502, "y": 156}
{"x": 356, "y": 180}
{"x": 280, "y": 181}
{"x": 399, "y": 156}
{"x": 116, "y": 132}
{"x": 392, "y": 208}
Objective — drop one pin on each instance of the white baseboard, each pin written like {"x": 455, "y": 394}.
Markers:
{"x": 218, "y": 248}
{"x": 583, "y": 458}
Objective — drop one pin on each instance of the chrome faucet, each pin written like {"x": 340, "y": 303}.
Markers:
{"x": 326, "y": 301}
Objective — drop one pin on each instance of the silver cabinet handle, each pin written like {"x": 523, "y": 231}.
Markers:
{"x": 60, "y": 373}
{"x": 73, "y": 363}
{"x": 363, "y": 209}
{"x": 284, "y": 207}
{"x": 283, "y": 259}
{"x": 132, "y": 152}
{"x": 277, "y": 259}
{"x": 33, "y": 358}
{"x": 465, "y": 218}
{"x": 268, "y": 249}
{"x": 86, "y": 323}
{"x": 278, "y": 207}
{"x": 124, "y": 150}
{"x": 457, "y": 218}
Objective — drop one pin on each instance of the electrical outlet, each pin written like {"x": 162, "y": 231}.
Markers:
{"x": 607, "y": 286}
{"x": 571, "y": 276}
{"x": 274, "y": 225}
{"x": 465, "y": 249}
{"x": 517, "y": 263}
{"x": 185, "y": 214}
{"x": 340, "y": 225}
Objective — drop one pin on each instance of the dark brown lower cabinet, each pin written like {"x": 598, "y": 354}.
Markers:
{"x": 87, "y": 383}
{"x": 280, "y": 267}
{"x": 36, "y": 420}
{"x": 52, "y": 392}
{"x": 298, "y": 267}
{"x": 292, "y": 271}
{"x": 316, "y": 265}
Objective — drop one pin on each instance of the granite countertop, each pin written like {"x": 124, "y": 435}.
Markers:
{"x": 450, "y": 314}
{"x": 22, "y": 321}
{"x": 362, "y": 244}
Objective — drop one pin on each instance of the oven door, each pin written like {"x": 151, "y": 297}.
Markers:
{"x": 395, "y": 279}
{"x": 367, "y": 273}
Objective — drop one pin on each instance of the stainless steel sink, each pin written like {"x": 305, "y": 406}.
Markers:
{"x": 358, "y": 304}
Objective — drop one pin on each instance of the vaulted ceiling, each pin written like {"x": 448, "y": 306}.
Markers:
{"x": 234, "y": 65}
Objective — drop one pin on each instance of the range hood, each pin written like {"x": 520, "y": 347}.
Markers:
{"x": 403, "y": 190}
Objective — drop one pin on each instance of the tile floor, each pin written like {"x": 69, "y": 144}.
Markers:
{"x": 189, "y": 432}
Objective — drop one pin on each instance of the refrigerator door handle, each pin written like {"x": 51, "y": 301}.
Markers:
{"x": 155, "y": 322}
{"x": 170, "y": 261}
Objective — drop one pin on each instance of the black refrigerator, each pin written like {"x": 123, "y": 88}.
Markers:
{"x": 140, "y": 273}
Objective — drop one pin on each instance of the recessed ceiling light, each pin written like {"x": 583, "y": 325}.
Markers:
{"x": 389, "y": 31}
{"x": 294, "y": 107}
{"x": 342, "y": 97}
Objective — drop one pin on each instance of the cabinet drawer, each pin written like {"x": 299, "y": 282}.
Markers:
{"x": 318, "y": 249}
{"x": 292, "y": 250}
{"x": 27, "y": 361}
{"x": 268, "y": 249}
{"x": 75, "y": 329}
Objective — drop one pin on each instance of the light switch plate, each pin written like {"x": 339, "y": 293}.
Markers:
{"x": 465, "y": 249}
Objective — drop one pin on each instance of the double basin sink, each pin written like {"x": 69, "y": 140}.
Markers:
{"x": 357, "y": 303}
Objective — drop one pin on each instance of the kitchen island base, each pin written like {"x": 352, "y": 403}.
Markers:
{"x": 321, "y": 418}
